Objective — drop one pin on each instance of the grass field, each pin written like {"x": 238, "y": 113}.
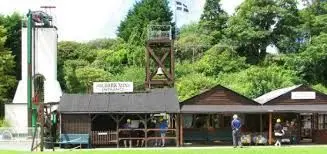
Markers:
{"x": 252, "y": 150}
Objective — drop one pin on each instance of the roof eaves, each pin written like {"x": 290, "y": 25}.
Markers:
{"x": 274, "y": 94}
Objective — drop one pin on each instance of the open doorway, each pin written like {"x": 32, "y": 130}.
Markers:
{"x": 103, "y": 130}
{"x": 38, "y": 88}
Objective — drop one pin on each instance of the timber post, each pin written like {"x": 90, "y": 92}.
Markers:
{"x": 181, "y": 135}
{"x": 270, "y": 128}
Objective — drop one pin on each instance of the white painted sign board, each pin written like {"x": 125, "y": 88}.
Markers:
{"x": 304, "y": 95}
{"x": 112, "y": 87}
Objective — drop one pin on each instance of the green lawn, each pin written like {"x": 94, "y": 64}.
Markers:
{"x": 252, "y": 150}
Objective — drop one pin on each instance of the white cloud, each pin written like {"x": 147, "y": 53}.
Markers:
{"x": 82, "y": 20}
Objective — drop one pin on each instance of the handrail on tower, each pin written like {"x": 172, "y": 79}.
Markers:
{"x": 158, "y": 32}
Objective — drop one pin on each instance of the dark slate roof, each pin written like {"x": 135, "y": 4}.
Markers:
{"x": 221, "y": 109}
{"x": 253, "y": 109}
{"x": 317, "y": 108}
{"x": 158, "y": 100}
{"x": 200, "y": 97}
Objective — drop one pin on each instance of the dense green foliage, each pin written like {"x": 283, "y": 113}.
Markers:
{"x": 213, "y": 20}
{"x": 7, "y": 64}
{"x": 219, "y": 49}
{"x": 134, "y": 28}
{"x": 4, "y": 123}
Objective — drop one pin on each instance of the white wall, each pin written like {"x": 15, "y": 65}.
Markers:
{"x": 45, "y": 64}
{"x": 16, "y": 115}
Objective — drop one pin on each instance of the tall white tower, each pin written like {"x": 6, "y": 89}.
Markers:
{"x": 44, "y": 63}
{"x": 44, "y": 54}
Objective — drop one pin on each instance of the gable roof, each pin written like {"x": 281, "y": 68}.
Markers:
{"x": 158, "y": 100}
{"x": 274, "y": 94}
{"x": 233, "y": 97}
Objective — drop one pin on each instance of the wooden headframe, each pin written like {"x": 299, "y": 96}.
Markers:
{"x": 158, "y": 50}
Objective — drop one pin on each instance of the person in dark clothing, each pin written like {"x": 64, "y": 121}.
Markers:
{"x": 279, "y": 132}
{"x": 127, "y": 133}
{"x": 140, "y": 134}
{"x": 236, "y": 131}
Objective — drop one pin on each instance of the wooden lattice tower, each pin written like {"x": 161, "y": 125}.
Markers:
{"x": 159, "y": 57}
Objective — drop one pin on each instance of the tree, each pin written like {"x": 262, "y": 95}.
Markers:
{"x": 12, "y": 23}
{"x": 184, "y": 68}
{"x": 250, "y": 27}
{"x": 111, "y": 61}
{"x": 311, "y": 63}
{"x": 66, "y": 51}
{"x": 72, "y": 84}
{"x": 70, "y": 50}
{"x": 102, "y": 43}
{"x": 213, "y": 20}
{"x": 256, "y": 81}
{"x": 193, "y": 84}
{"x": 192, "y": 42}
{"x": 286, "y": 31}
{"x": 313, "y": 18}
{"x": 259, "y": 23}
{"x": 320, "y": 88}
{"x": 87, "y": 75}
{"x": 138, "y": 18}
{"x": 7, "y": 65}
{"x": 133, "y": 74}
{"x": 220, "y": 59}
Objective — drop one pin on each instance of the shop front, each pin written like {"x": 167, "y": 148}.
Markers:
{"x": 302, "y": 112}
{"x": 206, "y": 118}
{"x": 120, "y": 120}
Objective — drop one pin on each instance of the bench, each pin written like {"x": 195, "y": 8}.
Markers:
{"x": 205, "y": 135}
{"x": 195, "y": 135}
{"x": 221, "y": 135}
{"x": 80, "y": 139}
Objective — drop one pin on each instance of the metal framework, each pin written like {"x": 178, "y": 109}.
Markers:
{"x": 34, "y": 103}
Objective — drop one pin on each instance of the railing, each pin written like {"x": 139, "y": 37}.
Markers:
{"x": 18, "y": 134}
{"x": 171, "y": 134}
{"x": 156, "y": 32}
{"x": 18, "y": 138}
{"x": 104, "y": 137}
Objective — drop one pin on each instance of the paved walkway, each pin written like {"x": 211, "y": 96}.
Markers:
{"x": 26, "y": 148}
{"x": 185, "y": 148}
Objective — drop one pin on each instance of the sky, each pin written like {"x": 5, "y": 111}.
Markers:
{"x": 83, "y": 20}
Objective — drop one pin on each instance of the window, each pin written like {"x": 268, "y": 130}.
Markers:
{"x": 188, "y": 120}
{"x": 322, "y": 121}
{"x": 227, "y": 121}
{"x": 201, "y": 121}
{"x": 215, "y": 121}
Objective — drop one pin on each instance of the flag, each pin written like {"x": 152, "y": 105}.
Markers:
{"x": 181, "y": 6}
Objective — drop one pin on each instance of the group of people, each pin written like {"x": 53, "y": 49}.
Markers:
{"x": 130, "y": 133}
{"x": 236, "y": 132}
{"x": 163, "y": 126}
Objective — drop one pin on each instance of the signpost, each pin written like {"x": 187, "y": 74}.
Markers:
{"x": 112, "y": 87}
{"x": 303, "y": 95}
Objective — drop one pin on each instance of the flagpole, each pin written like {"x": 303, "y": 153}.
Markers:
{"x": 175, "y": 14}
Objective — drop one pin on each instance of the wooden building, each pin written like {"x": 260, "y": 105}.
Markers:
{"x": 100, "y": 116}
{"x": 207, "y": 117}
{"x": 302, "y": 111}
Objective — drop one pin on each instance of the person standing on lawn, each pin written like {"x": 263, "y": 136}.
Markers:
{"x": 236, "y": 131}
